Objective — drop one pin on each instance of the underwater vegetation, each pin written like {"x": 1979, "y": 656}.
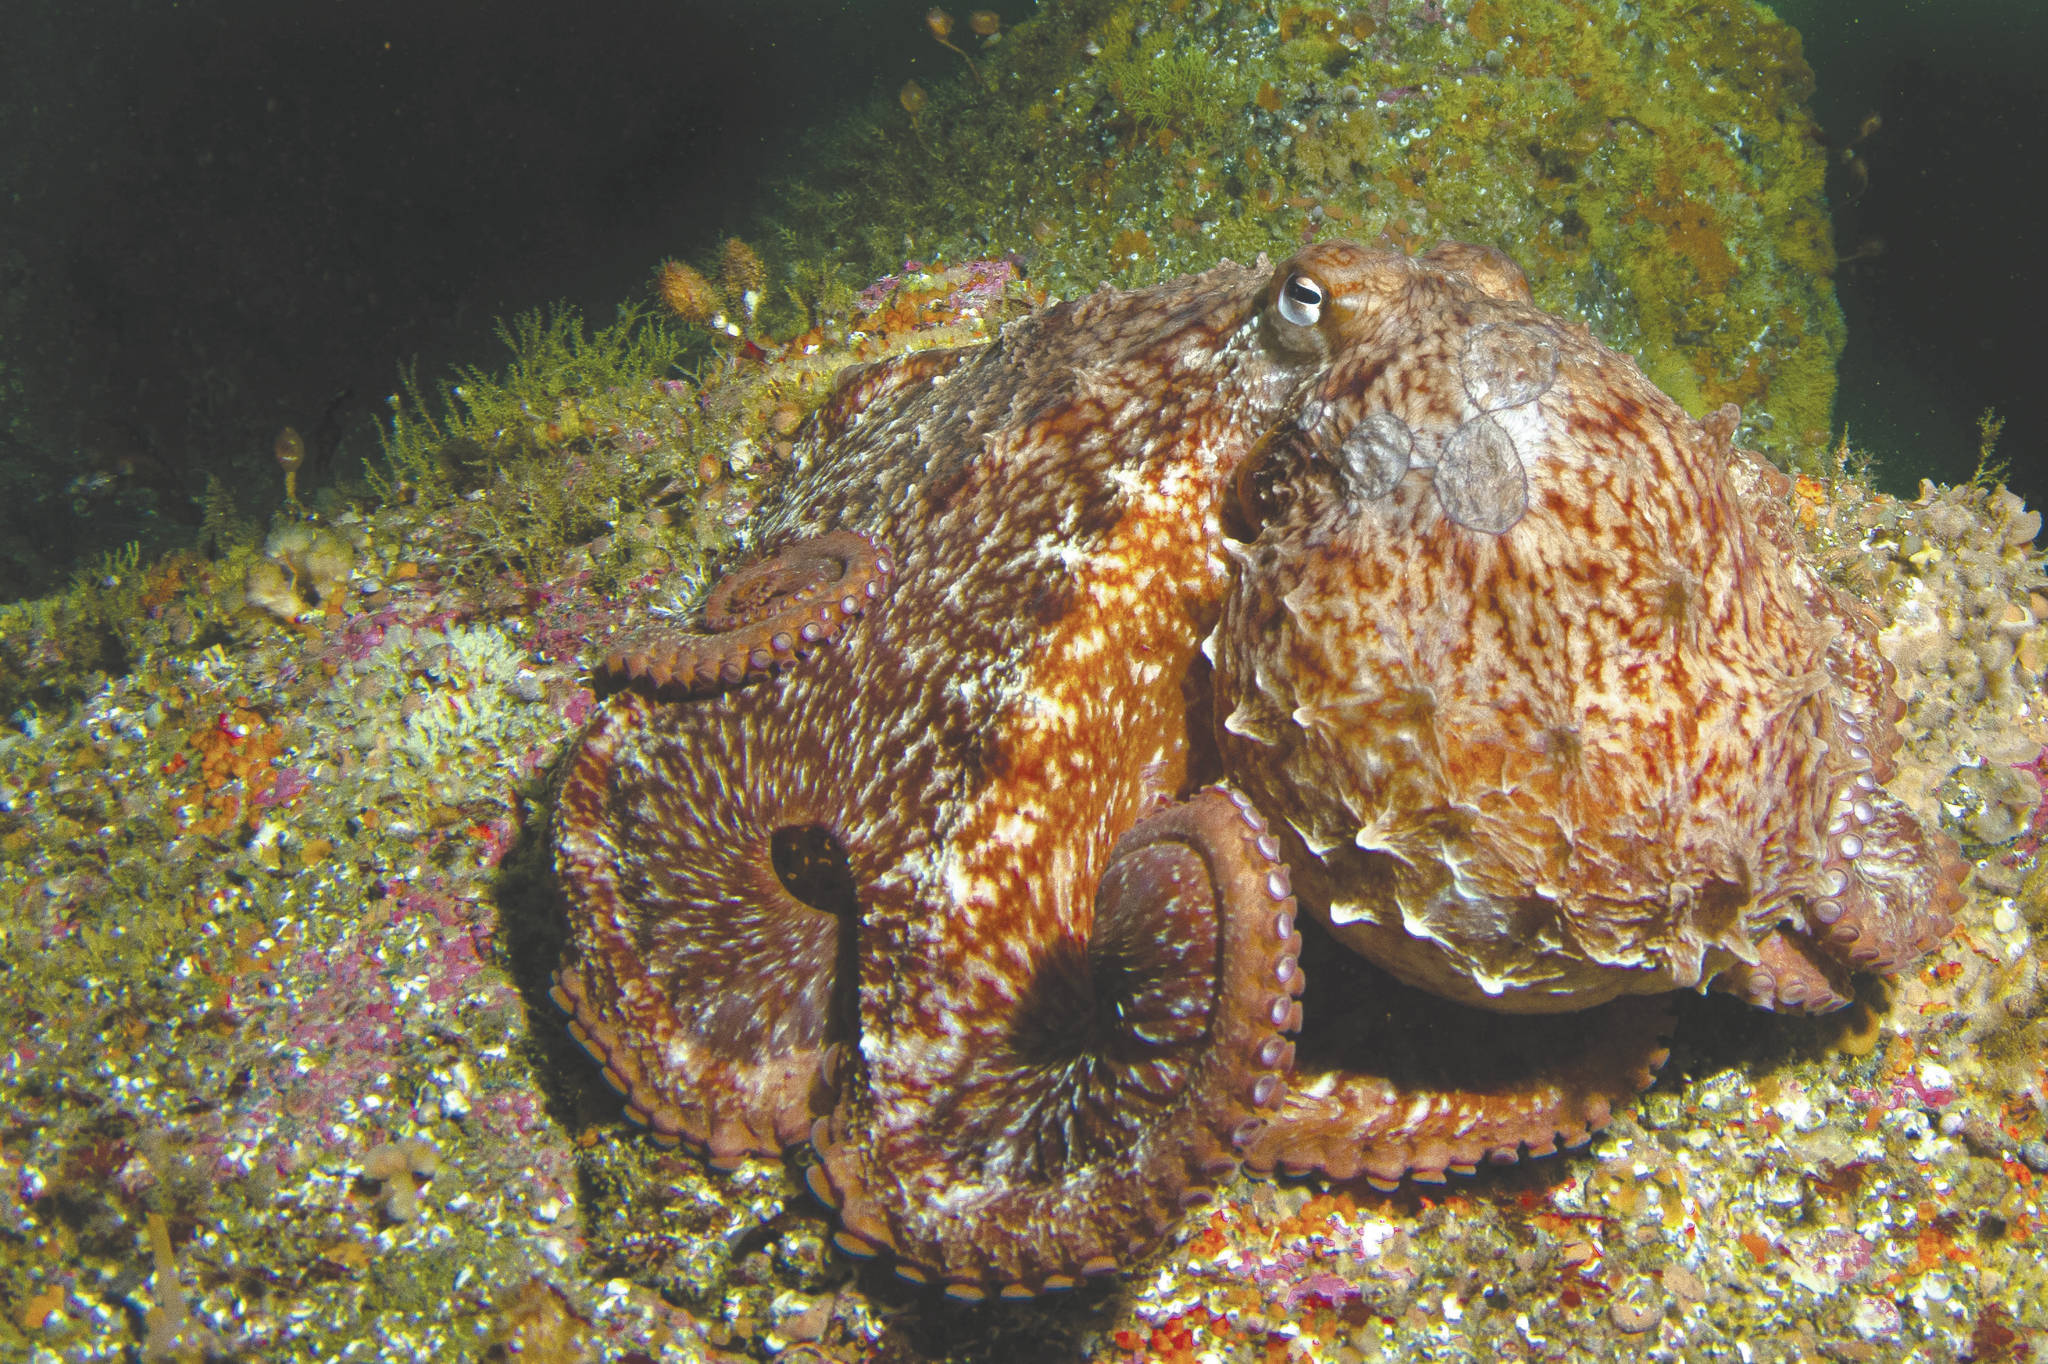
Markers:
{"x": 1652, "y": 165}
{"x": 524, "y": 442}
{"x": 278, "y": 1077}
{"x": 281, "y": 1079}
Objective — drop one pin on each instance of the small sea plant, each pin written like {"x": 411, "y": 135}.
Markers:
{"x": 436, "y": 442}
{"x": 548, "y": 453}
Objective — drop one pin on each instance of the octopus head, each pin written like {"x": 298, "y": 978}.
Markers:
{"x": 1523, "y": 658}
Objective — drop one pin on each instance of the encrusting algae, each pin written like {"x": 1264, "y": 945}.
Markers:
{"x": 274, "y": 817}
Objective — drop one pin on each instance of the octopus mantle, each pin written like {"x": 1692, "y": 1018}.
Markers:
{"x": 944, "y": 848}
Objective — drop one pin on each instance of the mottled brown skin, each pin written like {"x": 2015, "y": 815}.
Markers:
{"x": 942, "y": 886}
{"x": 1626, "y": 744}
{"x": 947, "y": 896}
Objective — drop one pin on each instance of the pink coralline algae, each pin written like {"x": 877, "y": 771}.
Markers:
{"x": 956, "y": 290}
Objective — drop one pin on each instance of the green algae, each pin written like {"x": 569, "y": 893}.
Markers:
{"x": 531, "y": 404}
{"x": 1652, "y": 166}
{"x": 522, "y": 438}
{"x": 635, "y": 447}
{"x": 1168, "y": 86}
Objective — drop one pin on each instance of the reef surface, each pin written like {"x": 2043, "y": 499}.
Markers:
{"x": 280, "y": 1077}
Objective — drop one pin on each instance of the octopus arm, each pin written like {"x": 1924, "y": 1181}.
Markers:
{"x": 761, "y": 619}
{"x": 697, "y": 978}
{"x": 1131, "y": 1071}
{"x": 1885, "y": 895}
{"x": 1351, "y": 1114}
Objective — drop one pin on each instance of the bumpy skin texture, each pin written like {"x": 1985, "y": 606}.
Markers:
{"x": 943, "y": 886}
{"x": 1619, "y": 742}
{"x": 930, "y": 885}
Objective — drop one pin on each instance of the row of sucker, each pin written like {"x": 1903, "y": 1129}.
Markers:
{"x": 759, "y": 619}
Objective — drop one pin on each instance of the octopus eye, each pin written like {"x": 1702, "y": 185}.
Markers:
{"x": 1301, "y": 300}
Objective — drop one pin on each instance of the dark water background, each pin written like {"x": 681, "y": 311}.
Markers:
{"x": 1948, "y": 299}
{"x": 223, "y": 216}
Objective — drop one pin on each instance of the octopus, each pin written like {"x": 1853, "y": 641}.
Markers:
{"x": 1092, "y": 692}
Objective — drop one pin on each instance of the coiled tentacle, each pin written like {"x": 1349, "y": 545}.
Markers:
{"x": 760, "y": 618}
{"x": 1138, "y": 1066}
{"x": 702, "y": 970}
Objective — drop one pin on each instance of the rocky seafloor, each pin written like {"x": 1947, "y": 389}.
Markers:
{"x": 279, "y": 1078}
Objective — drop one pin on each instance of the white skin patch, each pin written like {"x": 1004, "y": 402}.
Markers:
{"x": 1021, "y": 827}
{"x": 1084, "y": 644}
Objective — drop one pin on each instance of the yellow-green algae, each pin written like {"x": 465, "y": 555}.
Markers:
{"x": 1652, "y": 165}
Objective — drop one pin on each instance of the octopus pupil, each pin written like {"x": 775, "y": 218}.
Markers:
{"x": 1301, "y": 301}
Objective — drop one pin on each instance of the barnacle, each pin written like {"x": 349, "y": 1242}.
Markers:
{"x": 397, "y": 1166}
